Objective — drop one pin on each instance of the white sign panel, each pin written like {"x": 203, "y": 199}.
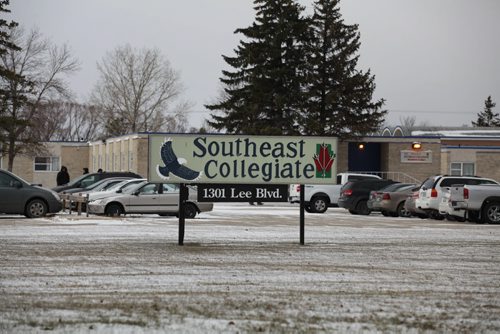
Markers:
{"x": 417, "y": 157}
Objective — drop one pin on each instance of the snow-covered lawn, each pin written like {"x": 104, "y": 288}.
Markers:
{"x": 242, "y": 269}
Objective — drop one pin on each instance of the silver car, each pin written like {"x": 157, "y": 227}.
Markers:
{"x": 149, "y": 198}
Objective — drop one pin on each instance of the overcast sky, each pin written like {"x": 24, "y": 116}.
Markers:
{"x": 437, "y": 60}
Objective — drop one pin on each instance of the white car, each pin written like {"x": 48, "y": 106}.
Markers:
{"x": 118, "y": 188}
{"x": 149, "y": 198}
{"x": 433, "y": 190}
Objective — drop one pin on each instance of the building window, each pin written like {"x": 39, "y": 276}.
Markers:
{"x": 48, "y": 164}
{"x": 462, "y": 168}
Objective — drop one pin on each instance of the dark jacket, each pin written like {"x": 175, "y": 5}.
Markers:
{"x": 62, "y": 176}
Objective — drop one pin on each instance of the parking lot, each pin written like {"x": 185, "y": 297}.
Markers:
{"x": 242, "y": 269}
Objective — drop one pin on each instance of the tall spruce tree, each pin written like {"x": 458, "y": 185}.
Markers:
{"x": 264, "y": 92}
{"x": 487, "y": 118}
{"x": 8, "y": 99}
{"x": 340, "y": 97}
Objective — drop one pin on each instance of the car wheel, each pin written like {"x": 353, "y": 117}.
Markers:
{"x": 473, "y": 216}
{"x": 114, "y": 210}
{"x": 435, "y": 215}
{"x": 35, "y": 209}
{"x": 385, "y": 213}
{"x": 491, "y": 213}
{"x": 307, "y": 208}
{"x": 319, "y": 204}
{"x": 402, "y": 212}
{"x": 362, "y": 208}
{"x": 353, "y": 212}
{"x": 190, "y": 210}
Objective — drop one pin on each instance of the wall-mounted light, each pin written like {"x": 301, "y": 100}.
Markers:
{"x": 416, "y": 146}
{"x": 361, "y": 146}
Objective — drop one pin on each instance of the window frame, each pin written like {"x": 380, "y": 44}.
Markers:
{"x": 460, "y": 169}
{"x": 53, "y": 164}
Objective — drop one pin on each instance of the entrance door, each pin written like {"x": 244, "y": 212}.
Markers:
{"x": 366, "y": 160}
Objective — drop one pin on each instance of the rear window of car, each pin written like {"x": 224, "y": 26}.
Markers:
{"x": 429, "y": 183}
{"x": 448, "y": 182}
{"x": 392, "y": 187}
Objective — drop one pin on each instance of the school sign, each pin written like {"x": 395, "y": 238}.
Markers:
{"x": 231, "y": 159}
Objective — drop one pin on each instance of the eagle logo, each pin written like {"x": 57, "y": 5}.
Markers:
{"x": 174, "y": 165}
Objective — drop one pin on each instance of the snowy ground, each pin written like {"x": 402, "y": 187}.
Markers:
{"x": 243, "y": 270}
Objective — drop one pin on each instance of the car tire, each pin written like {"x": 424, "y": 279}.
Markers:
{"x": 402, "y": 212}
{"x": 362, "y": 208}
{"x": 473, "y": 216}
{"x": 307, "y": 208}
{"x": 385, "y": 213}
{"x": 35, "y": 209}
{"x": 114, "y": 210}
{"x": 353, "y": 212}
{"x": 190, "y": 211}
{"x": 491, "y": 213}
{"x": 318, "y": 204}
{"x": 435, "y": 215}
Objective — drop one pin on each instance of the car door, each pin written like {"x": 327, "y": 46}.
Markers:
{"x": 146, "y": 199}
{"x": 169, "y": 198}
{"x": 12, "y": 195}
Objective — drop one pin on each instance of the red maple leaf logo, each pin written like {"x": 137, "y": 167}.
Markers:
{"x": 323, "y": 160}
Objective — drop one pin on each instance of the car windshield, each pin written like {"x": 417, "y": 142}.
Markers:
{"x": 96, "y": 185}
{"x": 78, "y": 179}
{"x": 117, "y": 186}
{"x": 130, "y": 188}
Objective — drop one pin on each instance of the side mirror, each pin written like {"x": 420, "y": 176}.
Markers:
{"x": 17, "y": 184}
{"x": 119, "y": 191}
{"x": 137, "y": 193}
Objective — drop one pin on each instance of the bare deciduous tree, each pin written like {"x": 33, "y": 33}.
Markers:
{"x": 65, "y": 121}
{"x": 45, "y": 67}
{"x": 136, "y": 90}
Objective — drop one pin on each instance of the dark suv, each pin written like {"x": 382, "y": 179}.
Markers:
{"x": 87, "y": 179}
{"x": 354, "y": 195}
{"x": 19, "y": 197}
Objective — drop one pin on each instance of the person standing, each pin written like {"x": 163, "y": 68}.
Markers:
{"x": 62, "y": 176}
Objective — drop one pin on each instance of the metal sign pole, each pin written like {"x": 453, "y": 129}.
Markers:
{"x": 302, "y": 215}
{"x": 183, "y": 190}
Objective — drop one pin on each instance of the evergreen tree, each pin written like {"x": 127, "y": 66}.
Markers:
{"x": 339, "y": 96}
{"x": 263, "y": 95}
{"x": 8, "y": 99}
{"x": 487, "y": 118}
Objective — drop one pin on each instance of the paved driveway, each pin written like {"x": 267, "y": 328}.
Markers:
{"x": 242, "y": 270}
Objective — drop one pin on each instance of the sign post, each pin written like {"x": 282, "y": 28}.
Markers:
{"x": 183, "y": 195}
{"x": 244, "y": 168}
{"x": 302, "y": 215}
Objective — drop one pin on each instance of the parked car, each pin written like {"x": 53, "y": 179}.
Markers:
{"x": 476, "y": 203}
{"x": 411, "y": 207}
{"x": 19, "y": 197}
{"x": 149, "y": 198}
{"x": 390, "y": 200}
{"x": 123, "y": 187}
{"x": 86, "y": 180}
{"x": 98, "y": 186}
{"x": 432, "y": 191}
{"x": 318, "y": 197}
{"x": 354, "y": 195}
